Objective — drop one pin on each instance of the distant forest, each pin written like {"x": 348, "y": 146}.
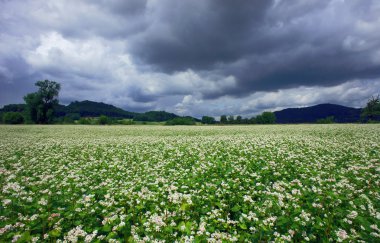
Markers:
{"x": 42, "y": 107}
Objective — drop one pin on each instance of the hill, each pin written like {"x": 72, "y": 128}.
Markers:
{"x": 158, "y": 116}
{"x": 89, "y": 108}
{"x": 342, "y": 114}
{"x": 93, "y": 109}
{"x": 13, "y": 108}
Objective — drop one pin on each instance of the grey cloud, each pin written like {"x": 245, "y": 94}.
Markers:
{"x": 268, "y": 45}
{"x": 122, "y": 7}
{"x": 197, "y": 34}
{"x": 353, "y": 94}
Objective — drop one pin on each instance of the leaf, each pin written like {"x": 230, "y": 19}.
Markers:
{"x": 107, "y": 228}
{"x": 55, "y": 233}
{"x": 185, "y": 206}
{"x": 243, "y": 226}
{"x": 235, "y": 209}
{"x": 111, "y": 235}
{"x": 25, "y": 237}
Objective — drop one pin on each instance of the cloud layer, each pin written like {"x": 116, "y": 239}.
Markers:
{"x": 193, "y": 57}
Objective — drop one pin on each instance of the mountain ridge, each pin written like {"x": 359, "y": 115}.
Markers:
{"x": 310, "y": 114}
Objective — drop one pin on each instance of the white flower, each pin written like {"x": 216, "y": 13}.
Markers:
{"x": 15, "y": 238}
{"x": 6, "y": 202}
{"x": 202, "y": 227}
{"x": 352, "y": 215}
{"x": 43, "y": 202}
{"x": 342, "y": 234}
{"x": 183, "y": 227}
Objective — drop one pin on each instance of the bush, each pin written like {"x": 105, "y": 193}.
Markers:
{"x": 13, "y": 118}
{"x": 103, "y": 120}
{"x": 208, "y": 120}
{"x": 126, "y": 122}
{"x": 327, "y": 120}
{"x": 84, "y": 121}
{"x": 68, "y": 120}
{"x": 181, "y": 121}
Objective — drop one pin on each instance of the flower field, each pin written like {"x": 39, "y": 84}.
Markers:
{"x": 280, "y": 183}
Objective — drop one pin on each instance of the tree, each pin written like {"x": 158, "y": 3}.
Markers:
{"x": 103, "y": 120}
{"x": 269, "y": 117}
{"x": 223, "y": 119}
{"x": 266, "y": 118}
{"x": 40, "y": 105}
{"x": 231, "y": 119}
{"x": 239, "y": 120}
{"x": 13, "y": 118}
{"x": 208, "y": 120}
{"x": 372, "y": 110}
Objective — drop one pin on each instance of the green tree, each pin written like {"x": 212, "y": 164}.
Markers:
{"x": 266, "y": 118}
{"x": 239, "y": 120}
{"x": 231, "y": 119}
{"x": 208, "y": 120}
{"x": 372, "y": 110}
{"x": 13, "y": 118}
{"x": 223, "y": 119}
{"x": 40, "y": 105}
{"x": 103, "y": 120}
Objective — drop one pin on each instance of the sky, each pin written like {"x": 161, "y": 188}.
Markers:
{"x": 193, "y": 57}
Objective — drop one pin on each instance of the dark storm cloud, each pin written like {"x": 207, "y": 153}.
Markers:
{"x": 14, "y": 79}
{"x": 266, "y": 45}
{"x": 122, "y": 7}
{"x": 198, "y": 34}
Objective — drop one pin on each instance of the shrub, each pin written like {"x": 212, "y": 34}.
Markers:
{"x": 13, "y": 118}
{"x": 181, "y": 121}
{"x": 103, "y": 120}
{"x": 84, "y": 121}
{"x": 327, "y": 120}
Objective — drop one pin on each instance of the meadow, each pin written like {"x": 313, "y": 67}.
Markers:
{"x": 282, "y": 183}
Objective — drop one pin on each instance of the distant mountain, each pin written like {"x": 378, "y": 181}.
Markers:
{"x": 342, "y": 114}
{"x": 13, "y": 108}
{"x": 89, "y": 108}
{"x": 92, "y": 109}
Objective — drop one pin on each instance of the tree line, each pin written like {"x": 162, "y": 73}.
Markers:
{"x": 264, "y": 118}
{"x": 42, "y": 107}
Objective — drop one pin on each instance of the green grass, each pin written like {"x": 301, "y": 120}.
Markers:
{"x": 190, "y": 183}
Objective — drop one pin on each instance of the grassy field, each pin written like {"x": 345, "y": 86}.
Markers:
{"x": 201, "y": 183}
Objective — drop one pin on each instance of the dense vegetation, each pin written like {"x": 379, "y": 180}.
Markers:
{"x": 181, "y": 121}
{"x": 40, "y": 105}
{"x": 152, "y": 116}
{"x": 207, "y": 183}
{"x": 372, "y": 110}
